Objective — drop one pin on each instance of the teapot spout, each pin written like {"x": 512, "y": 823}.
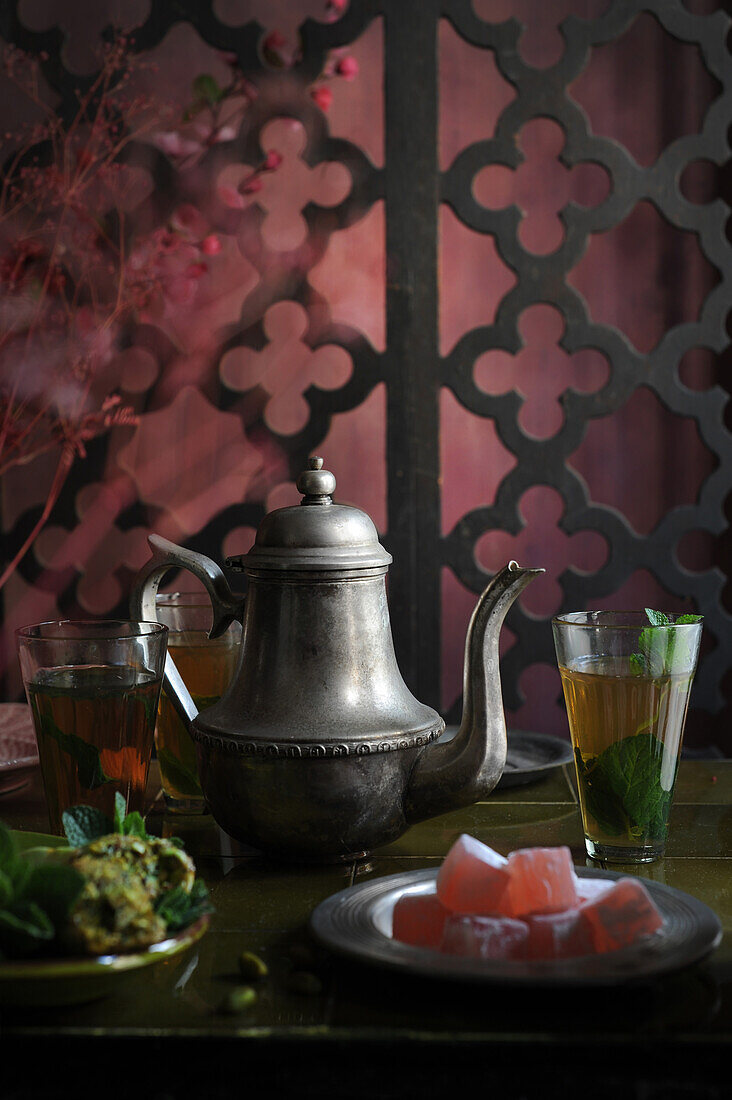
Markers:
{"x": 465, "y": 769}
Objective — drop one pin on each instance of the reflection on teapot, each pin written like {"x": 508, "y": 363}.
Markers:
{"x": 318, "y": 750}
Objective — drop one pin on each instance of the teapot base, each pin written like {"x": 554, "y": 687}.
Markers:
{"x": 314, "y": 810}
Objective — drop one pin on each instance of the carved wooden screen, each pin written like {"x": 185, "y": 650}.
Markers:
{"x": 504, "y": 280}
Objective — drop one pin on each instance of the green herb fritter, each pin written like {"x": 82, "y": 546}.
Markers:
{"x": 125, "y": 879}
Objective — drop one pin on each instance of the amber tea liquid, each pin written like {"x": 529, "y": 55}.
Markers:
{"x": 206, "y": 668}
{"x": 625, "y": 789}
{"x": 94, "y": 725}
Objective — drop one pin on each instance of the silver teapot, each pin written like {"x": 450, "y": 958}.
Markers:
{"x": 318, "y": 750}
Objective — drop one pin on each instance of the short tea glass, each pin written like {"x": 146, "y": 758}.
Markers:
{"x": 93, "y": 690}
{"x": 206, "y": 667}
{"x": 626, "y": 679}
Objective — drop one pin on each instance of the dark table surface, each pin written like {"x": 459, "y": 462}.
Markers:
{"x": 364, "y": 1031}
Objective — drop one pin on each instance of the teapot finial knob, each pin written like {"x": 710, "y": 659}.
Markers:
{"x": 316, "y": 484}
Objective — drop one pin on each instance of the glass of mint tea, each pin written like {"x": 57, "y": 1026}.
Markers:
{"x": 626, "y": 678}
{"x": 93, "y": 690}
{"x": 207, "y": 667}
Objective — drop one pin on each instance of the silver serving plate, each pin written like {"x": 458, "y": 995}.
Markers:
{"x": 357, "y": 923}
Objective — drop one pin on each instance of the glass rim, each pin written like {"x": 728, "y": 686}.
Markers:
{"x": 582, "y": 619}
{"x": 152, "y": 628}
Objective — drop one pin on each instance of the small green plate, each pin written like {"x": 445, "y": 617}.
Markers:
{"x": 68, "y": 981}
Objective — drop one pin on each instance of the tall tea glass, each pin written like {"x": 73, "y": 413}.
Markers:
{"x": 93, "y": 691}
{"x": 626, "y": 678}
{"x": 207, "y": 667}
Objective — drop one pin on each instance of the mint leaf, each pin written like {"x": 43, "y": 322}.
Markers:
{"x": 133, "y": 825}
{"x": 54, "y": 887}
{"x": 6, "y": 889}
{"x": 178, "y": 908}
{"x": 654, "y": 642}
{"x": 8, "y": 848}
{"x": 19, "y": 874}
{"x": 623, "y": 790}
{"x": 637, "y": 664}
{"x": 88, "y": 761}
{"x": 120, "y": 810}
{"x": 660, "y": 651}
{"x": 173, "y": 907}
{"x": 124, "y": 823}
{"x": 24, "y": 929}
{"x": 177, "y": 775}
{"x": 82, "y": 824}
{"x": 600, "y": 802}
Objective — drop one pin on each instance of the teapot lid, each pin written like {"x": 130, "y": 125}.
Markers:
{"x": 316, "y": 533}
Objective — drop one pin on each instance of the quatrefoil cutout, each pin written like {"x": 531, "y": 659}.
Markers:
{"x": 286, "y": 367}
{"x": 96, "y": 548}
{"x": 541, "y": 540}
{"x": 83, "y": 23}
{"x": 497, "y": 186}
{"x": 287, "y": 190}
{"x": 541, "y": 371}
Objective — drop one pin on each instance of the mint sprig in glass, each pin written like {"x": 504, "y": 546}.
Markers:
{"x": 627, "y": 679}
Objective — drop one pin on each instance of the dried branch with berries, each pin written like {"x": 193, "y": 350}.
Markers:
{"x": 76, "y": 274}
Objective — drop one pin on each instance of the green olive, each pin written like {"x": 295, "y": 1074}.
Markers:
{"x": 239, "y": 1000}
{"x": 251, "y": 967}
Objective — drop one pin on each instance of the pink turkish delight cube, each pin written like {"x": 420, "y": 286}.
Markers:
{"x": 590, "y": 889}
{"x": 419, "y": 919}
{"x": 622, "y": 915}
{"x": 485, "y": 937}
{"x": 564, "y": 935}
{"x": 542, "y": 881}
{"x": 472, "y": 878}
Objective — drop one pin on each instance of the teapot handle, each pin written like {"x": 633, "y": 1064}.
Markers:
{"x": 227, "y": 606}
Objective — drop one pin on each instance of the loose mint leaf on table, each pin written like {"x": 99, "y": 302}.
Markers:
{"x": 88, "y": 761}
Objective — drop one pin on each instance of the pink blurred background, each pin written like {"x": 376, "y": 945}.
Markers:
{"x": 194, "y": 456}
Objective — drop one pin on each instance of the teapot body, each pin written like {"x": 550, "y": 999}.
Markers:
{"x": 308, "y": 753}
{"x": 316, "y": 808}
